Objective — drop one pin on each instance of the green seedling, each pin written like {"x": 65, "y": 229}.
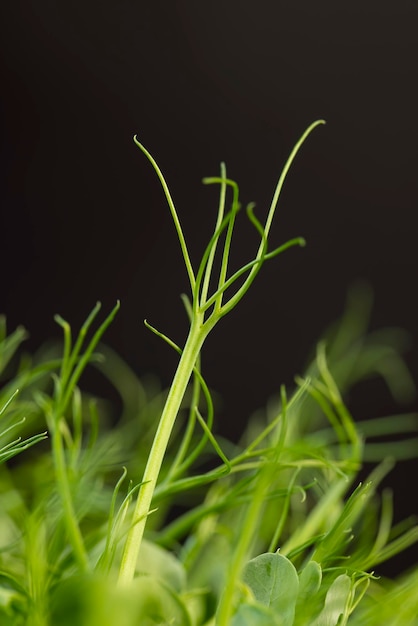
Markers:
{"x": 205, "y": 310}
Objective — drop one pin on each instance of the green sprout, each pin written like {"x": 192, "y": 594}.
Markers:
{"x": 205, "y": 311}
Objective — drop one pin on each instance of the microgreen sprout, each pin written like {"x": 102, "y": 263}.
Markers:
{"x": 205, "y": 312}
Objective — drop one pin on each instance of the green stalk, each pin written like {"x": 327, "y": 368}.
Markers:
{"x": 64, "y": 489}
{"x": 197, "y": 335}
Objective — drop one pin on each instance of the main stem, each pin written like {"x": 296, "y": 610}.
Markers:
{"x": 195, "y": 339}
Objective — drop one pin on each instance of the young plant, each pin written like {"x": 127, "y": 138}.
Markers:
{"x": 205, "y": 310}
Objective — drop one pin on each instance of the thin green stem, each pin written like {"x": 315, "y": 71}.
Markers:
{"x": 228, "y": 240}
{"x": 199, "y": 302}
{"x": 64, "y": 489}
{"x": 173, "y": 211}
{"x": 177, "y": 390}
{"x": 298, "y": 241}
{"x": 237, "y": 297}
{"x": 221, "y": 211}
{"x": 181, "y": 453}
{"x": 178, "y": 465}
{"x": 284, "y": 173}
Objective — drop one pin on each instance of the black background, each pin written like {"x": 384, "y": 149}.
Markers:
{"x": 83, "y": 216}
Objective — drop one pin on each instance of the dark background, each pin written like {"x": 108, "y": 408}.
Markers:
{"x": 83, "y": 216}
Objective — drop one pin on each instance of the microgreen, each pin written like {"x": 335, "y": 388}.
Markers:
{"x": 205, "y": 311}
{"x": 275, "y": 529}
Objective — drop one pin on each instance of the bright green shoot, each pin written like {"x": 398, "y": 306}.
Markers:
{"x": 65, "y": 391}
{"x": 205, "y": 310}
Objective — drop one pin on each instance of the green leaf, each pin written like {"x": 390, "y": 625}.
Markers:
{"x": 161, "y": 565}
{"x": 254, "y": 615}
{"x": 309, "y": 581}
{"x": 155, "y": 604}
{"x": 309, "y": 599}
{"x": 335, "y": 603}
{"x": 274, "y": 582}
{"x": 96, "y": 601}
